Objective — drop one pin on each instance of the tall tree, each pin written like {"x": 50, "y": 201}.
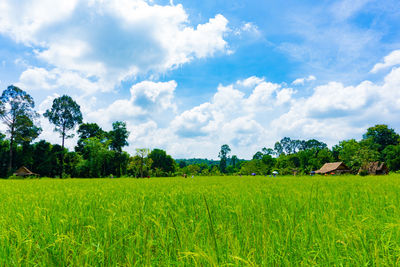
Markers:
{"x": 89, "y": 130}
{"x": 119, "y": 136}
{"x": 234, "y": 160}
{"x": 223, "y": 155}
{"x": 17, "y": 113}
{"x": 65, "y": 114}
{"x": 144, "y": 161}
{"x": 380, "y": 136}
{"x": 268, "y": 151}
{"x": 162, "y": 163}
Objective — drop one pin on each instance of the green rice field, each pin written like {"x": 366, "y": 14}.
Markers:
{"x": 221, "y": 221}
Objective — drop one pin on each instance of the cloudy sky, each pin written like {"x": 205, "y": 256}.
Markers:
{"x": 189, "y": 76}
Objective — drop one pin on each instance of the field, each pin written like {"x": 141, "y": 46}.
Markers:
{"x": 283, "y": 221}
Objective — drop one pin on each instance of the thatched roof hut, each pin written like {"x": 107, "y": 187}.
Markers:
{"x": 375, "y": 168}
{"x": 24, "y": 171}
{"x": 335, "y": 167}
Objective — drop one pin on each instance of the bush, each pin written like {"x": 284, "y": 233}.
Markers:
{"x": 363, "y": 173}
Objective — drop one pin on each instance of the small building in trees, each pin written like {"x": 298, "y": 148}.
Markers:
{"x": 24, "y": 171}
{"x": 374, "y": 168}
{"x": 334, "y": 167}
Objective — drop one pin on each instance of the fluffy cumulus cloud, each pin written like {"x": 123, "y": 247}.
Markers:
{"x": 232, "y": 117}
{"x": 149, "y": 101}
{"x": 301, "y": 81}
{"x": 254, "y": 113}
{"x": 106, "y": 42}
{"x": 335, "y": 112}
{"x": 247, "y": 115}
{"x": 390, "y": 60}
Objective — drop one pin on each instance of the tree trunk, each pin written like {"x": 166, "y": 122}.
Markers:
{"x": 10, "y": 161}
{"x": 141, "y": 167}
{"x": 62, "y": 153}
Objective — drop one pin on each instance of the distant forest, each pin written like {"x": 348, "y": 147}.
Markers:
{"x": 99, "y": 153}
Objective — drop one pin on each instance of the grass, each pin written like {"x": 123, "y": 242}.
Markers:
{"x": 344, "y": 220}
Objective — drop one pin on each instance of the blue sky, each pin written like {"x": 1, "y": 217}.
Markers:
{"x": 189, "y": 76}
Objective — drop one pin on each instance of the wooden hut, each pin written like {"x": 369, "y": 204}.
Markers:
{"x": 375, "y": 168}
{"x": 24, "y": 171}
{"x": 334, "y": 167}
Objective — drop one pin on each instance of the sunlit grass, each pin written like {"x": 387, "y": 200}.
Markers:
{"x": 346, "y": 220}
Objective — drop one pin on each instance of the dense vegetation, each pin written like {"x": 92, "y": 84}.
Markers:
{"x": 284, "y": 221}
{"x": 99, "y": 153}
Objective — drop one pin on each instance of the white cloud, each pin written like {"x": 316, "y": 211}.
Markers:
{"x": 390, "y": 60}
{"x": 111, "y": 40}
{"x": 246, "y": 122}
{"x": 22, "y": 20}
{"x": 148, "y": 101}
{"x": 335, "y": 112}
{"x": 35, "y": 78}
{"x": 248, "y": 28}
{"x": 346, "y": 8}
{"x": 231, "y": 117}
{"x": 251, "y": 81}
{"x": 301, "y": 81}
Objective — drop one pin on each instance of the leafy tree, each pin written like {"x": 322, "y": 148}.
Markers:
{"x": 314, "y": 144}
{"x": 99, "y": 157}
{"x": 392, "y": 157}
{"x": 278, "y": 148}
{"x": 258, "y": 155}
{"x": 324, "y": 156}
{"x": 365, "y": 155}
{"x": 144, "y": 162}
{"x": 268, "y": 151}
{"x": 4, "y": 147}
{"x": 139, "y": 167}
{"x": 118, "y": 136}
{"x": 163, "y": 164}
{"x": 56, "y": 159}
{"x": 381, "y": 136}
{"x": 72, "y": 161}
{"x": 42, "y": 158}
{"x": 269, "y": 162}
{"x": 65, "y": 114}
{"x": 88, "y": 130}
{"x": 17, "y": 113}
{"x": 347, "y": 150}
{"x": 223, "y": 154}
{"x": 287, "y": 145}
{"x": 234, "y": 160}
{"x": 253, "y": 166}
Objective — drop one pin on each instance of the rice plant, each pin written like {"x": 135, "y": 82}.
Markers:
{"x": 343, "y": 220}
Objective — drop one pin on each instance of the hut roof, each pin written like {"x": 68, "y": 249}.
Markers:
{"x": 24, "y": 171}
{"x": 375, "y": 167}
{"x": 333, "y": 166}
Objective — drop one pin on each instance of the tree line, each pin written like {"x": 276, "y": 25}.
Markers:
{"x": 379, "y": 143}
{"x": 99, "y": 153}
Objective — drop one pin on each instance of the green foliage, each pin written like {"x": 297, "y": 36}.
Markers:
{"x": 119, "y": 136}
{"x": 17, "y": 113}
{"x": 380, "y": 136}
{"x": 98, "y": 158}
{"x": 162, "y": 164}
{"x": 65, "y": 114}
{"x": 223, "y": 155}
{"x": 88, "y": 130}
{"x": 392, "y": 157}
